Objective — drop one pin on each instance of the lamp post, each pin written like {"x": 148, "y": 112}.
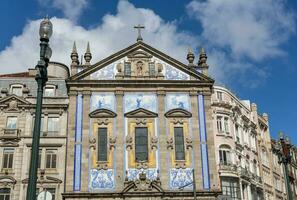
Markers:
{"x": 45, "y": 32}
{"x": 191, "y": 183}
{"x": 283, "y": 148}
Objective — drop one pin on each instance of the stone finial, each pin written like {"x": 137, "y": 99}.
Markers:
{"x": 190, "y": 57}
{"x": 265, "y": 116}
{"x": 254, "y": 107}
{"x": 74, "y": 55}
{"x": 88, "y": 55}
{"x": 202, "y": 65}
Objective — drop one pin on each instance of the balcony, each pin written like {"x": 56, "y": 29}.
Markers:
{"x": 245, "y": 173}
{"x": 228, "y": 169}
{"x": 10, "y": 134}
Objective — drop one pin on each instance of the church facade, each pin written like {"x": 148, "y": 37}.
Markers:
{"x": 137, "y": 125}
{"x": 140, "y": 126}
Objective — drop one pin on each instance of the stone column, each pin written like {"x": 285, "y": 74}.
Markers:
{"x": 70, "y": 142}
{"x": 120, "y": 135}
{"x": 213, "y": 172}
{"x": 249, "y": 192}
{"x": 196, "y": 140}
{"x": 164, "y": 175}
{"x": 85, "y": 141}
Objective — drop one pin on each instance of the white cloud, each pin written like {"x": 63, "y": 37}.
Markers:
{"x": 240, "y": 35}
{"x": 253, "y": 28}
{"x": 115, "y": 32}
{"x": 70, "y": 8}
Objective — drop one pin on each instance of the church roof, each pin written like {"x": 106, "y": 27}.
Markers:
{"x": 147, "y": 48}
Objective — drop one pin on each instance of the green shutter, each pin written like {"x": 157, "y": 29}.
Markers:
{"x": 179, "y": 143}
{"x": 141, "y": 144}
{"x": 102, "y": 144}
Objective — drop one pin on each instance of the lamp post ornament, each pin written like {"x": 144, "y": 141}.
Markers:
{"x": 45, "y": 32}
{"x": 283, "y": 148}
{"x": 139, "y": 27}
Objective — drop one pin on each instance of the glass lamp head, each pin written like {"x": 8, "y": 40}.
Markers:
{"x": 281, "y": 135}
{"x": 46, "y": 28}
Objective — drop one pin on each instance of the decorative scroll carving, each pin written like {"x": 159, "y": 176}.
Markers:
{"x": 112, "y": 142}
{"x": 154, "y": 143}
{"x": 178, "y": 121}
{"x": 102, "y": 165}
{"x": 102, "y": 121}
{"x": 142, "y": 184}
{"x": 180, "y": 164}
{"x": 189, "y": 143}
{"x": 140, "y": 121}
{"x": 129, "y": 142}
{"x": 170, "y": 143}
{"x": 141, "y": 165}
{"x": 92, "y": 144}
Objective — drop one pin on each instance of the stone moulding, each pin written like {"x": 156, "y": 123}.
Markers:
{"x": 178, "y": 113}
{"x": 102, "y": 113}
{"x": 141, "y": 113}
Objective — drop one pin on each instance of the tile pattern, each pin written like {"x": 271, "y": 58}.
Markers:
{"x": 181, "y": 177}
{"x": 101, "y": 179}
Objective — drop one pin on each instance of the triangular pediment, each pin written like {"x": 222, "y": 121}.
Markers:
{"x": 102, "y": 113}
{"x": 13, "y": 97}
{"x": 13, "y": 103}
{"x": 141, "y": 113}
{"x": 178, "y": 113}
{"x": 108, "y": 66}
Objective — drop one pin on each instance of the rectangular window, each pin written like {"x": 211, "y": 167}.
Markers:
{"x": 11, "y": 122}
{"x": 4, "y": 193}
{"x": 219, "y": 124}
{"x": 179, "y": 143}
{"x": 17, "y": 90}
{"x": 53, "y": 125}
{"x": 141, "y": 144}
{"x": 41, "y": 125}
{"x": 49, "y": 91}
{"x": 127, "y": 69}
{"x": 152, "y": 71}
{"x": 220, "y": 96}
{"x": 102, "y": 144}
{"x": 8, "y": 158}
{"x": 226, "y": 125}
{"x": 51, "y": 159}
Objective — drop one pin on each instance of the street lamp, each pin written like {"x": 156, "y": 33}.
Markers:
{"x": 283, "y": 148}
{"x": 45, "y": 32}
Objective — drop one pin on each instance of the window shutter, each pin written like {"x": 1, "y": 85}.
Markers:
{"x": 141, "y": 144}
{"x": 179, "y": 143}
{"x": 102, "y": 144}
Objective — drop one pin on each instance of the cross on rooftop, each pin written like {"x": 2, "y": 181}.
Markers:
{"x": 139, "y": 27}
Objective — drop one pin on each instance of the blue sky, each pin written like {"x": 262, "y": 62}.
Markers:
{"x": 251, "y": 44}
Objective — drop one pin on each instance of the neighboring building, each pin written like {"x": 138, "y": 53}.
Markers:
{"x": 17, "y": 108}
{"x": 236, "y": 137}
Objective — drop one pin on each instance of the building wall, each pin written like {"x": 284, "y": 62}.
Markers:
{"x": 18, "y": 138}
